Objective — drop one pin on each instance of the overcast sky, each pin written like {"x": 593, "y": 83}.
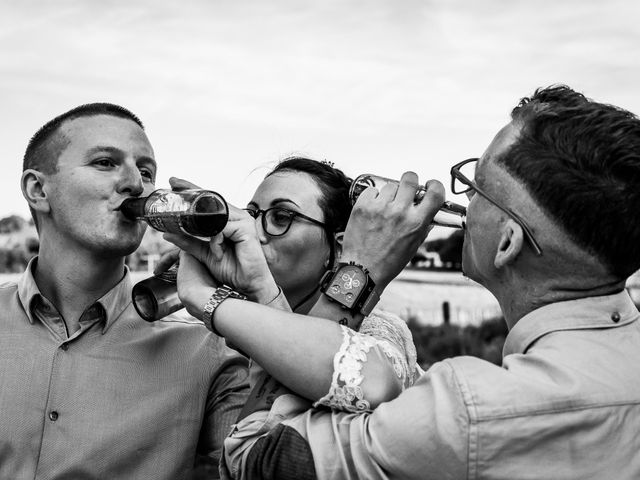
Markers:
{"x": 227, "y": 88}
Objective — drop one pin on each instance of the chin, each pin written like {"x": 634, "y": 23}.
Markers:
{"x": 119, "y": 246}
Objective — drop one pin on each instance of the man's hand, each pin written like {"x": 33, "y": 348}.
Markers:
{"x": 234, "y": 256}
{"x": 385, "y": 228}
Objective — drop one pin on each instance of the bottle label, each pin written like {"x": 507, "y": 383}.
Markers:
{"x": 166, "y": 211}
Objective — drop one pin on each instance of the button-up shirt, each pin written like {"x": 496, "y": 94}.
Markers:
{"x": 119, "y": 398}
{"x": 565, "y": 404}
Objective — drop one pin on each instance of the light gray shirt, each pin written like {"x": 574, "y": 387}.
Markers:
{"x": 120, "y": 398}
{"x": 565, "y": 404}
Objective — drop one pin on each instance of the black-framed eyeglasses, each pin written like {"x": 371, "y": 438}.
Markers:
{"x": 461, "y": 183}
{"x": 276, "y": 221}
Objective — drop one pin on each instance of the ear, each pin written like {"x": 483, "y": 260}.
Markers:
{"x": 337, "y": 245}
{"x": 510, "y": 244}
{"x": 32, "y": 184}
{"x": 338, "y": 237}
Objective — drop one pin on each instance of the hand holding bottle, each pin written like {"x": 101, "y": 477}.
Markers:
{"x": 233, "y": 257}
{"x": 386, "y": 228}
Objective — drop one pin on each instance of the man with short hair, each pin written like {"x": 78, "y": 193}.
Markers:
{"x": 87, "y": 388}
{"x": 551, "y": 232}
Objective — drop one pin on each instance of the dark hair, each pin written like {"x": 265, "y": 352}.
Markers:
{"x": 580, "y": 160}
{"x": 333, "y": 184}
{"x": 45, "y": 147}
{"x": 47, "y": 144}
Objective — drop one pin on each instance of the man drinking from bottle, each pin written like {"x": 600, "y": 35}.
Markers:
{"x": 87, "y": 388}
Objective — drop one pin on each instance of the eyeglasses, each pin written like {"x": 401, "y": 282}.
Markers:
{"x": 276, "y": 221}
{"x": 460, "y": 183}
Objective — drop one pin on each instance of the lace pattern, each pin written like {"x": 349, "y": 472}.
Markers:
{"x": 384, "y": 331}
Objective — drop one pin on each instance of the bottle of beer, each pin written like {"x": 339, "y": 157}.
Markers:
{"x": 201, "y": 213}
{"x": 156, "y": 297}
{"x": 450, "y": 214}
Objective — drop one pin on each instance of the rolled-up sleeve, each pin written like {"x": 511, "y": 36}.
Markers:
{"x": 422, "y": 434}
{"x": 244, "y": 435}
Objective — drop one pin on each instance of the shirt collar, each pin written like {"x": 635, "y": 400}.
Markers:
{"x": 607, "y": 311}
{"x": 114, "y": 302}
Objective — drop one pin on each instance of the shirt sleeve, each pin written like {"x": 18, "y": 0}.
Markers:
{"x": 423, "y": 434}
{"x": 382, "y": 336}
{"x": 238, "y": 446}
{"x": 227, "y": 393}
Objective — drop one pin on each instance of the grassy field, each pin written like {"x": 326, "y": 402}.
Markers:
{"x": 420, "y": 294}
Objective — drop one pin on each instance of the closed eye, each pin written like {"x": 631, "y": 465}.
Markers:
{"x": 281, "y": 216}
{"x": 104, "y": 162}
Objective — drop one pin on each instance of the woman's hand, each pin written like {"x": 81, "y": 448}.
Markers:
{"x": 234, "y": 256}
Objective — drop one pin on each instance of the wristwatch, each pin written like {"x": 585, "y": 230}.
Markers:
{"x": 220, "y": 295}
{"x": 350, "y": 285}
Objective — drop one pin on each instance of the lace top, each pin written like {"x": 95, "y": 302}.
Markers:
{"x": 388, "y": 335}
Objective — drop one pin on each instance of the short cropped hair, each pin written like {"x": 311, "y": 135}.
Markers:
{"x": 45, "y": 146}
{"x": 580, "y": 161}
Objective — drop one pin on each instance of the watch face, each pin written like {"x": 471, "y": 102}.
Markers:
{"x": 347, "y": 284}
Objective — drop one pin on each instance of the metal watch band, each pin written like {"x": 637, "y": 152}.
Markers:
{"x": 220, "y": 295}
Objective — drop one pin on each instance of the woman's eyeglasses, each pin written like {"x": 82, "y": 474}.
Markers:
{"x": 461, "y": 182}
{"x": 276, "y": 221}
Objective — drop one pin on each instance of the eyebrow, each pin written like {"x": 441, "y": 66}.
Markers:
{"x": 101, "y": 148}
{"x": 274, "y": 202}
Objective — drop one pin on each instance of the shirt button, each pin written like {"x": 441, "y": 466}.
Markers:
{"x": 615, "y": 316}
{"x": 64, "y": 346}
{"x": 53, "y": 416}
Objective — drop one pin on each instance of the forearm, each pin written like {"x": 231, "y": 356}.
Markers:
{"x": 299, "y": 350}
{"x": 424, "y": 433}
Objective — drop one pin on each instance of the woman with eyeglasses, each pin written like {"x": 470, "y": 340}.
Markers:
{"x": 301, "y": 209}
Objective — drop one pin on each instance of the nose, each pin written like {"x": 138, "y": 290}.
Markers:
{"x": 130, "y": 181}
{"x": 262, "y": 235}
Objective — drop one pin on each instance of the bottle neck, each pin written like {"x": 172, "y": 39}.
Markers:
{"x": 133, "y": 208}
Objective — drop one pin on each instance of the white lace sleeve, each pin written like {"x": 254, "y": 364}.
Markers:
{"x": 396, "y": 341}
{"x": 384, "y": 332}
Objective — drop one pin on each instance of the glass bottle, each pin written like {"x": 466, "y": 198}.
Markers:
{"x": 201, "y": 213}
{"x": 450, "y": 214}
{"x": 157, "y": 296}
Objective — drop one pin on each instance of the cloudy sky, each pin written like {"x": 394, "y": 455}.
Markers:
{"x": 227, "y": 88}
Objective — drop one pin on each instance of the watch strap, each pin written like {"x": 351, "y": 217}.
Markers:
{"x": 219, "y": 295}
{"x": 370, "y": 302}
